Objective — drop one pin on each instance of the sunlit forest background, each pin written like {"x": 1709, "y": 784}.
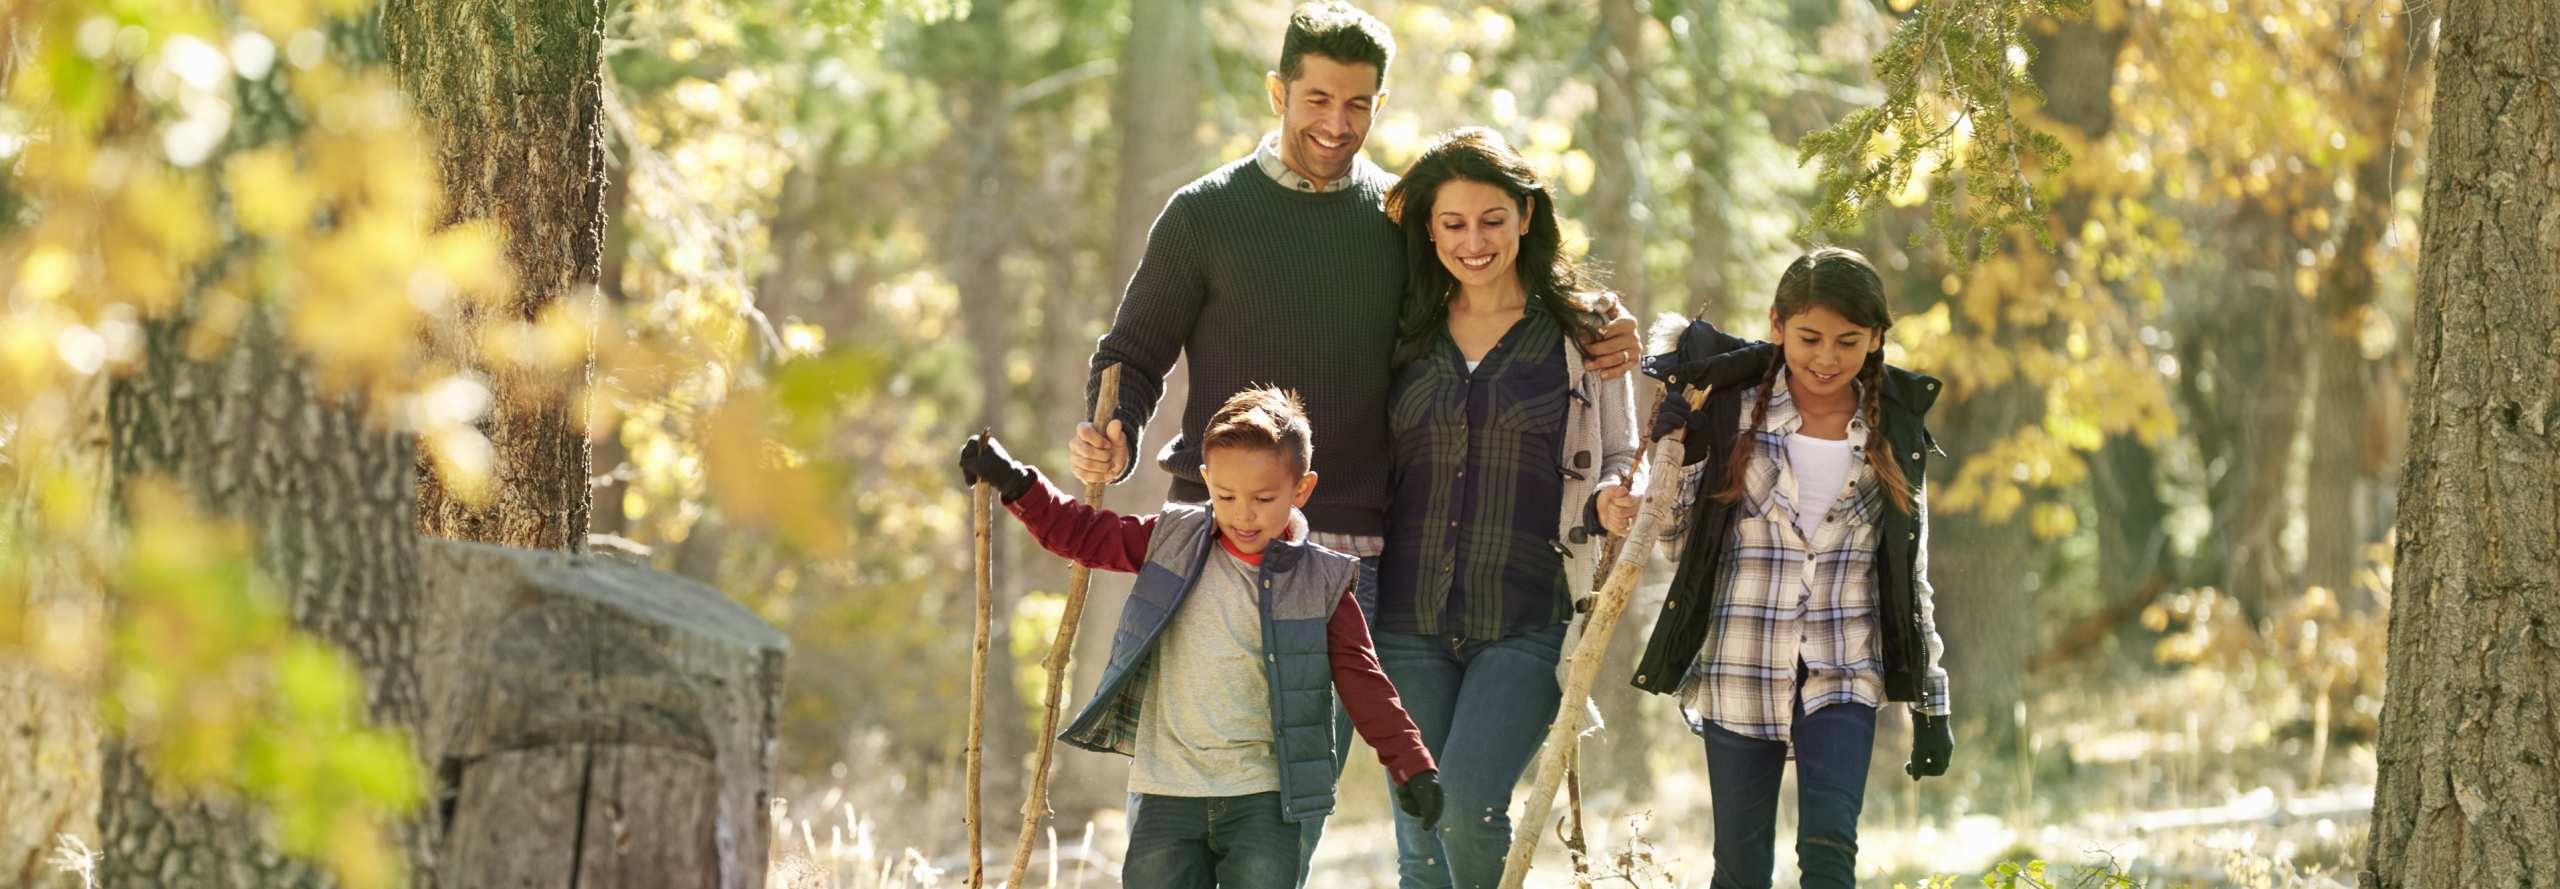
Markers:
{"x": 839, "y": 237}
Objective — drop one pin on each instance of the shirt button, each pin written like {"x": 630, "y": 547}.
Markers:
{"x": 1453, "y": 523}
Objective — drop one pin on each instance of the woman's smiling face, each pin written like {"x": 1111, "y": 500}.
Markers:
{"x": 1475, "y": 229}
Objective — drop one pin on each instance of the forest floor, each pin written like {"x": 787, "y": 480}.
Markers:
{"x": 2125, "y": 773}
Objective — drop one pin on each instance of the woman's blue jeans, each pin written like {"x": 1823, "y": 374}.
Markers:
{"x": 1483, "y": 708}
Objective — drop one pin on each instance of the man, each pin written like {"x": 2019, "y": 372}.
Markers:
{"x": 1282, "y": 269}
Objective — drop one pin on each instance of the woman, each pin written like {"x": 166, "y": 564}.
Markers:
{"x": 1803, "y": 601}
{"x": 1506, "y": 454}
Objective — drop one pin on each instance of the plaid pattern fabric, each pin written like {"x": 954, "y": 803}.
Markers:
{"x": 1478, "y": 484}
{"x": 1365, "y": 546}
{"x": 1118, "y": 731}
{"x": 1789, "y": 600}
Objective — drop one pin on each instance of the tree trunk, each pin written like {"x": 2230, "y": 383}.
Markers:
{"x": 511, "y": 90}
{"x": 1158, "y": 99}
{"x": 2244, "y": 384}
{"x": 49, "y": 779}
{"x": 2467, "y": 778}
{"x": 1616, "y": 141}
{"x": 1157, "y": 104}
{"x": 2350, "y": 397}
{"x": 327, "y": 497}
{"x": 981, "y": 145}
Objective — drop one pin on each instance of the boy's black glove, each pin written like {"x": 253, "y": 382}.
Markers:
{"x": 982, "y": 458}
{"x": 1420, "y": 798}
{"x": 1933, "y": 741}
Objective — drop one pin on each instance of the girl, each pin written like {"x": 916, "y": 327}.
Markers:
{"x": 1802, "y": 602}
{"x": 1503, "y": 446}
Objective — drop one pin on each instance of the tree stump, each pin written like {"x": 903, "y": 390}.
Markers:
{"x": 594, "y": 722}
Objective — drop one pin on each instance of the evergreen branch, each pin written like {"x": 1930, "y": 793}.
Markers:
{"x": 1962, "y": 59}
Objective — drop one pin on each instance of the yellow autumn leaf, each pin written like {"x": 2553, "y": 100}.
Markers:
{"x": 2053, "y": 521}
{"x": 269, "y": 197}
{"x": 46, "y": 273}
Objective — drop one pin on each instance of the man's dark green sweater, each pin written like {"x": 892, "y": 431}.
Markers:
{"x": 1260, "y": 285}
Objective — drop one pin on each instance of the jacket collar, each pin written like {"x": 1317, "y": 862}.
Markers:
{"x": 1914, "y": 391}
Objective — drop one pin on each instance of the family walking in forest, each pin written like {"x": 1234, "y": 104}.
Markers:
{"x": 1412, "y": 429}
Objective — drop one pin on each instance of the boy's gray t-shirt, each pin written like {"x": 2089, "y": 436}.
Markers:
{"x": 1204, "y": 727}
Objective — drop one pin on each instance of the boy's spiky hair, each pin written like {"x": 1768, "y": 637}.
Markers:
{"x": 1263, "y": 417}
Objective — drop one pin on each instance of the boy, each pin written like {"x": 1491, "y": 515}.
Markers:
{"x": 1218, "y": 680}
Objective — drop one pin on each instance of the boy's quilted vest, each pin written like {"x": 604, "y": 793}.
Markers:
{"x": 1299, "y": 585}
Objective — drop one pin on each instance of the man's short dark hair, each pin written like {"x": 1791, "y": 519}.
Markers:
{"x": 1338, "y": 31}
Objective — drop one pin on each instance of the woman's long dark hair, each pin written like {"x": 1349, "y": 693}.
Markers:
{"x": 1478, "y": 154}
{"x": 1841, "y": 280}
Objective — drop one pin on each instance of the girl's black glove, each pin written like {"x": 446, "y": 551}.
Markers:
{"x": 1420, "y": 798}
{"x": 1933, "y": 740}
{"x": 982, "y": 458}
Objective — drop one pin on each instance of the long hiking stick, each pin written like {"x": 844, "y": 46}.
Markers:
{"x": 1576, "y": 844}
{"x": 1662, "y": 461}
{"x": 982, "y": 526}
{"x": 1036, "y": 805}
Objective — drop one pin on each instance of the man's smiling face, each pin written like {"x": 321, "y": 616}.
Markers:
{"x": 1325, "y": 115}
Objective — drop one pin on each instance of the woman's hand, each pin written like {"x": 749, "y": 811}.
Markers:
{"x": 1617, "y": 508}
{"x": 1612, "y": 350}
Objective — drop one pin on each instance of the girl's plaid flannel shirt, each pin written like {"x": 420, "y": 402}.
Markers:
{"x": 1788, "y": 599}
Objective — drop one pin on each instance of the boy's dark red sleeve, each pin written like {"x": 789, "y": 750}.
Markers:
{"x": 1087, "y": 535}
{"x": 1370, "y": 698}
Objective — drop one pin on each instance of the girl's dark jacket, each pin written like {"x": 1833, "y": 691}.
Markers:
{"x": 1690, "y": 607}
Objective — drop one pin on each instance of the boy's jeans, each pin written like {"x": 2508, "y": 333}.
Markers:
{"x": 1832, "y": 748}
{"x": 1483, "y": 708}
{"x": 1231, "y": 842}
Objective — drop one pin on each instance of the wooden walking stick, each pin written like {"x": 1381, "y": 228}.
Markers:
{"x": 1663, "y": 461}
{"x": 1576, "y": 844}
{"x": 1035, "y": 806}
{"x": 982, "y": 525}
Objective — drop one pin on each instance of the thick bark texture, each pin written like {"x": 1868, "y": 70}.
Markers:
{"x": 49, "y": 742}
{"x": 326, "y": 496}
{"x": 510, "y": 89}
{"x": 2468, "y": 772}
